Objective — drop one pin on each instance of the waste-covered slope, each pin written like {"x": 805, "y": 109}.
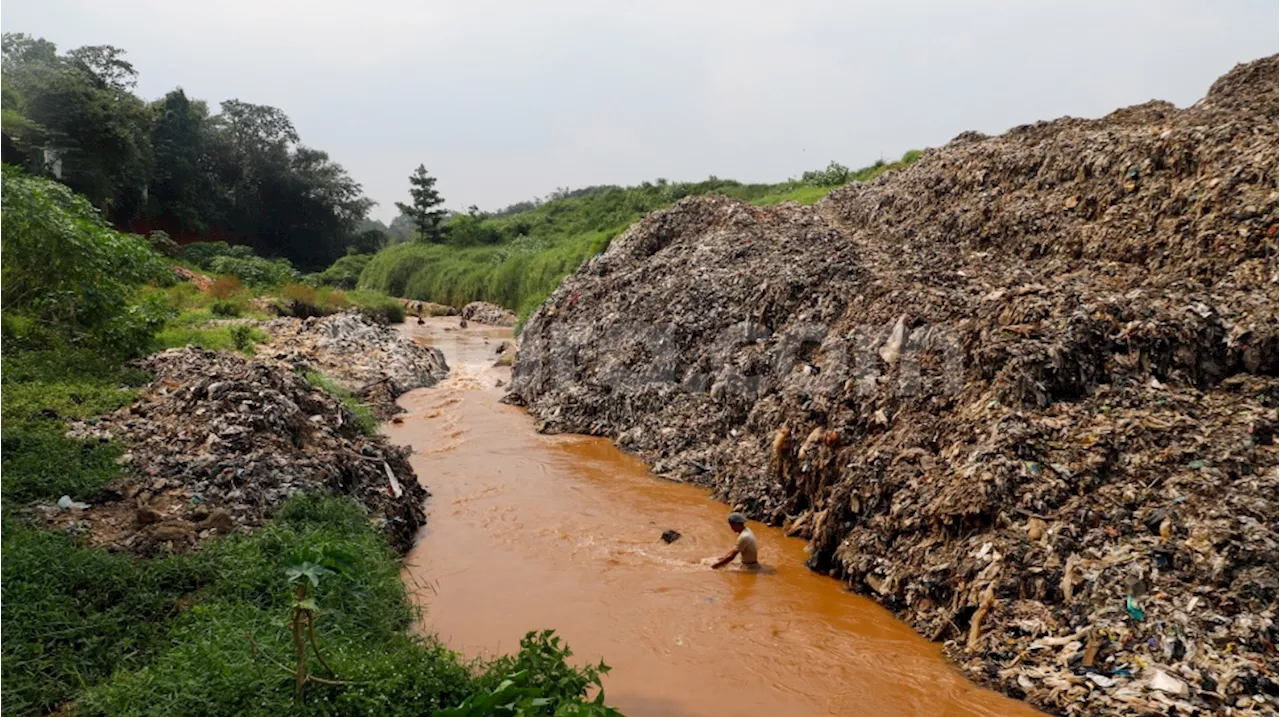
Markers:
{"x": 1022, "y": 392}
{"x": 217, "y": 442}
{"x": 376, "y": 363}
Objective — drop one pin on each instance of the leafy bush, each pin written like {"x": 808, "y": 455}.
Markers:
{"x": 243, "y": 337}
{"x": 202, "y": 254}
{"x": 538, "y": 680}
{"x": 66, "y": 268}
{"x": 225, "y": 309}
{"x": 345, "y": 272}
{"x": 255, "y": 271}
{"x": 162, "y": 244}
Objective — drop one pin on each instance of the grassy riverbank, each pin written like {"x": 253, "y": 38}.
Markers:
{"x": 92, "y": 632}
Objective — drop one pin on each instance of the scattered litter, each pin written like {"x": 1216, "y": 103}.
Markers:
{"x": 65, "y": 503}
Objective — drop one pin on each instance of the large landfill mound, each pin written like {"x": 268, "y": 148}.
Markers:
{"x": 1023, "y": 392}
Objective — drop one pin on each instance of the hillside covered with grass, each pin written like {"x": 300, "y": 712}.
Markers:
{"x": 515, "y": 257}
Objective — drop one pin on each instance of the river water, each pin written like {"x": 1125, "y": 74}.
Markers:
{"x": 527, "y": 531}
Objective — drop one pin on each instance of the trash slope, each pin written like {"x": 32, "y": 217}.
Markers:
{"x": 1023, "y": 392}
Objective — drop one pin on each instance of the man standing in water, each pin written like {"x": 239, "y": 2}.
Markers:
{"x": 746, "y": 545}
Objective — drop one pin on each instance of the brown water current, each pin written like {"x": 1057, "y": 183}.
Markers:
{"x": 527, "y": 531}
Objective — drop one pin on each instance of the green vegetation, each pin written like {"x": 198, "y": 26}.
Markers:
{"x": 173, "y": 164}
{"x": 345, "y": 272}
{"x": 65, "y": 270}
{"x": 255, "y": 271}
{"x": 197, "y": 633}
{"x": 515, "y": 257}
{"x": 42, "y": 388}
{"x": 364, "y": 417}
{"x": 425, "y": 209}
{"x": 192, "y": 328}
{"x": 171, "y": 636}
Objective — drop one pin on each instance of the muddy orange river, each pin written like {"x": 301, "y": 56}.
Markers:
{"x": 527, "y": 531}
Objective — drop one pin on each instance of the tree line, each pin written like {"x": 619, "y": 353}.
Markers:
{"x": 239, "y": 174}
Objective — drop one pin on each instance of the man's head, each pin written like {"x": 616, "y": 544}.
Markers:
{"x": 737, "y": 521}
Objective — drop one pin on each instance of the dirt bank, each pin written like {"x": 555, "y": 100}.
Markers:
{"x": 1022, "y": 392}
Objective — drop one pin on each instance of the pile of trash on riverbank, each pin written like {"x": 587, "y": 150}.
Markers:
{"x": 482, "y": 312}
{"x": 217, "y": 442}
{"x": 427, "y": 308}
{"x": 376, "y": 363}
{"x": 1023, "y": 392}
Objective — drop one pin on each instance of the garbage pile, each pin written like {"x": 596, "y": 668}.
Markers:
{"x": 217, "y": 442}
{"x": 427, "y": 308}
{"x": 1022, "y": 392}
{"x": 482, "y": 312}
{"x": 376, "y": 363}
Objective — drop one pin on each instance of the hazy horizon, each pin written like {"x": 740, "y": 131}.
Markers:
{"x": 506, "y": 102}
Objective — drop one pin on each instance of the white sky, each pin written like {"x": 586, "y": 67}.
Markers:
{"x": 505, "y": 101}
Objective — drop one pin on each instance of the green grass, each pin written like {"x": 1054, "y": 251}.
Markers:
{"x": 534, "y": 249}
{"x": 377, "y": 304}
{"x": 803, "y": 195}
{"x": 364, "y": 416}
{"x": 207, "y": 665}
{"x": 192, "y": 328}
{"x": 74, "y": 616}
{"x": 42, "y": 390}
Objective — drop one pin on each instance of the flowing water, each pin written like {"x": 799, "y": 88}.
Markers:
{"x": 527, "y": 531}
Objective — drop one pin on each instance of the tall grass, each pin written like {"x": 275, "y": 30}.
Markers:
{"x": 542, "y": 243}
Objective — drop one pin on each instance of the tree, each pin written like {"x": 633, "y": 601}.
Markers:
{"x": 107, "y": 64}
{"x": 368, "y": 241}
{"x": 424, "y": 212}
{"x": 183, "y": 191}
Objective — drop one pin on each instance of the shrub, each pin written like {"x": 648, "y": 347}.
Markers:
{"x": 202, "y": 254}
{"x": 64, "y": 266}
{"x": 162, "y": 244}
{"x": 243, "y": 338}
{"x": 255, "y": 271}
{"x": 225, "y": 309}
{"x": 345, "y": 272}
{"x": 299, "y": 292}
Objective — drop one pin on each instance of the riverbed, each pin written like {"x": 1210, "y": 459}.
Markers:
{"x": 527, "y": 531}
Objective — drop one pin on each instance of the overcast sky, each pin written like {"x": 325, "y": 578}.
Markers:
{"x": 505, "y": 101}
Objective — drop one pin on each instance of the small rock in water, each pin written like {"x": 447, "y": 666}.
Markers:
{"x": 670, "y": 536}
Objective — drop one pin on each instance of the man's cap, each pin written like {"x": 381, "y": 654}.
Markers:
{"x": 738, "y": 518}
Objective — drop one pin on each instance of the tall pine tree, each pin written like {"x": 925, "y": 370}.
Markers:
{"x": 425, "y": 211}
